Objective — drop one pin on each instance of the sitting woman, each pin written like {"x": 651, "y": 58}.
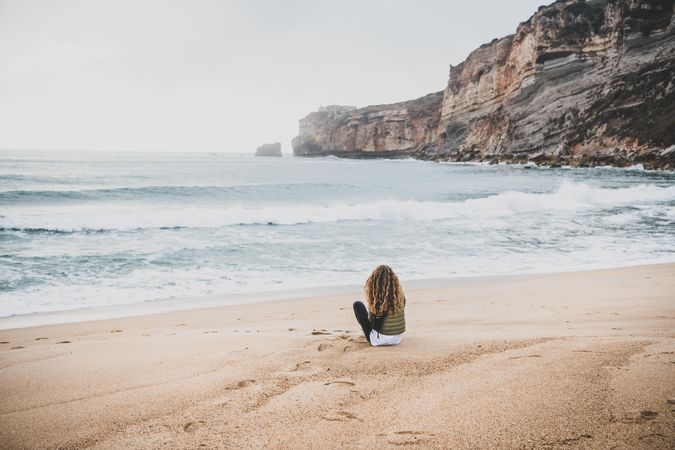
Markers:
{"x": 383, "y": 322}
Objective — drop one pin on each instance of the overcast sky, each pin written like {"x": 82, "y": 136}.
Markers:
{"x": 221, "y": 75}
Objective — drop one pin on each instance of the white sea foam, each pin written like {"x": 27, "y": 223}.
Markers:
{"x": 337, "y": 219}
{"x": 568, "y": 197}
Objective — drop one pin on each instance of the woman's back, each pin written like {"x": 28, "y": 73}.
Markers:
{"x": 383, "y": 322}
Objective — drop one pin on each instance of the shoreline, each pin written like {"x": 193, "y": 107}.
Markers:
{"x": 178, "y": 304}
{"x": 538, "y": 361}
{"x": 635, "y": 166}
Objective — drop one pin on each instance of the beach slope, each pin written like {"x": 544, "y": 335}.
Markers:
{"x": 573, "y": 360}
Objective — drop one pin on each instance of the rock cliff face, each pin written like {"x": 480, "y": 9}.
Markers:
{"x": 396, "y": 130}
{"x": 581, "y": 83}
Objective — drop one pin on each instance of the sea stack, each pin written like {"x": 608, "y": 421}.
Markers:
{"x": 581, "y": 83}
{"x": 269, "y": 150}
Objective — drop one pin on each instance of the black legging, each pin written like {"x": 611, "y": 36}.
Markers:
{"x": 361, "y": 314}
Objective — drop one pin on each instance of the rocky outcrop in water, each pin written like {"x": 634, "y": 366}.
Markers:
{"x": 269, "y": 150}
{"x": 582, "y": 83}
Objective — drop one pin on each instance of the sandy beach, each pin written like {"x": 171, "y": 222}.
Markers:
{"x": 573, "y": 360}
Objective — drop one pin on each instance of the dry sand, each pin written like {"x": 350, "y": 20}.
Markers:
{"x": 579, "y": 360}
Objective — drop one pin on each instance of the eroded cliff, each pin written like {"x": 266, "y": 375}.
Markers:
{"x": 396, "y": 130}
{"x": 580, "y": 83}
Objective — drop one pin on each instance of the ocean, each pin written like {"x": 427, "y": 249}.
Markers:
{"x": 81, "y": 230}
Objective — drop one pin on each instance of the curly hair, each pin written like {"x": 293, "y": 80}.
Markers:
{"x": 384, "y": 292}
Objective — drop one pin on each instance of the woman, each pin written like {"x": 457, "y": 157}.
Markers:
{"x": 383, "y": 322}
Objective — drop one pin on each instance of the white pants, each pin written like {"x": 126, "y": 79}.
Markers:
{"x": 377, "y": 339}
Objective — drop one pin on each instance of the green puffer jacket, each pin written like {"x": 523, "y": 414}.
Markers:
{"x": 393, "y": 324}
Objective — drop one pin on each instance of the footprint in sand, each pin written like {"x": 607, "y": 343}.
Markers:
{"x": 240, "y": 384}
{"x": 323, "y": 347}
{"x": 319, "y": 332}
{"x": 407, "y": 437}
{"x": 648, "y": 415}
{"x": 244, "y": 383}
{"x": 190, "y": 427}
{"x": 63, "y": 342}
{"x": 350, "y": 338}
{"x": 41, "y": 338}
{"x": 292, "y": 329}
{"x": 345, "y": 382}
{"x": 656, "y": 438}
{"x": 340, "y": 416}
{"x": 4, "y": 342}
{"x": 16, "y": 347}
{"x": 115, "y": 331}
{"x": 645, "y": 415}
{"x": 301, "y": 366}
{"x": 572, "y": 440}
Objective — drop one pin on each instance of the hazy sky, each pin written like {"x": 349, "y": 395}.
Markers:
{"x": 221, "y": 75}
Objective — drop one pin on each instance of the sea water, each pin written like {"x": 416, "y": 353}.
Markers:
{"x": 95, "y": 229}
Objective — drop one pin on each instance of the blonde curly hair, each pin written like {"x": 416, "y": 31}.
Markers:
{"x": 384, "y": 292}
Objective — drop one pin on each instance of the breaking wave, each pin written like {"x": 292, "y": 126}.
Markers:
{"x": 568, "y": 197}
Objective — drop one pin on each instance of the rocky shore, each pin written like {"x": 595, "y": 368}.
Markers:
{"x": 580, "y": 83}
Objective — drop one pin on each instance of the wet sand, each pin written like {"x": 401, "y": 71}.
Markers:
{"x": 574, "y": 360}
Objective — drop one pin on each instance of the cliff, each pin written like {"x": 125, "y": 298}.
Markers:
{"x": 269, "y": 150}
{"x": 396, "y": 130}
{"x": 580, "y": 83}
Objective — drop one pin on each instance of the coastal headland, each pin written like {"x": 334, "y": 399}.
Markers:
{"x": 580, "y": 83}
